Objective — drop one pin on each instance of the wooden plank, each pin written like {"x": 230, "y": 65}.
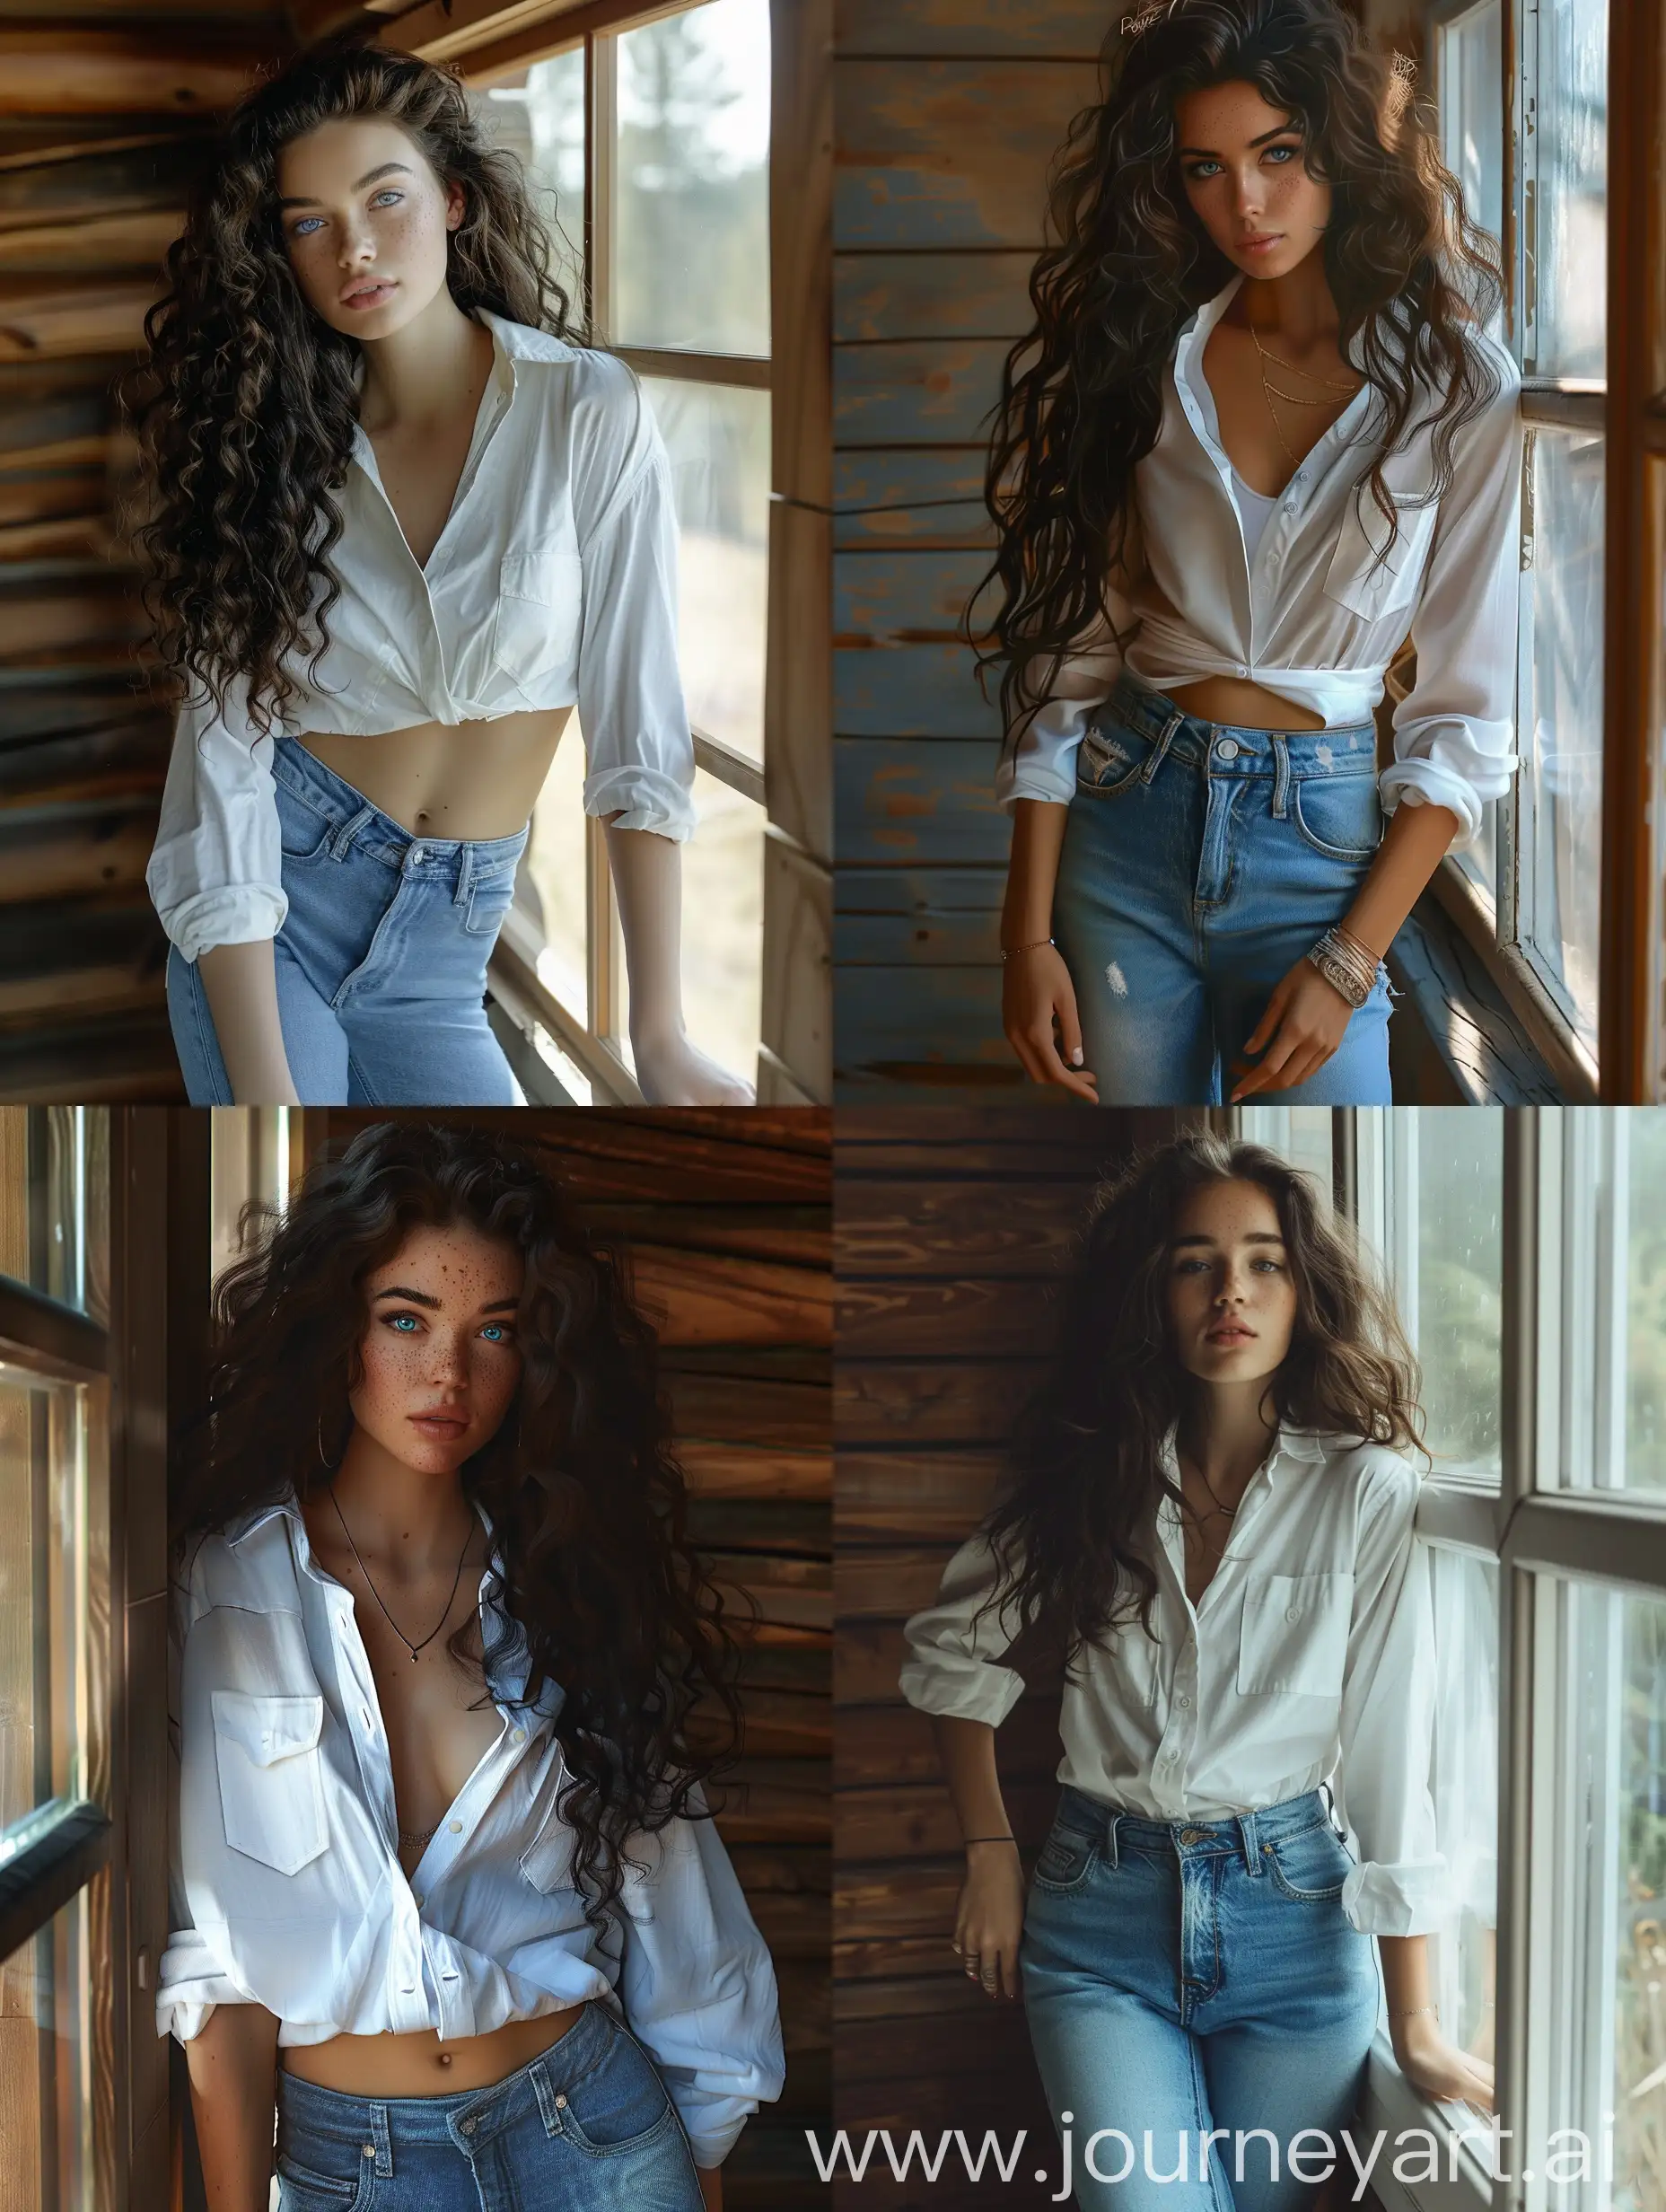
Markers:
{"x": 891, "y": 1139}
{"x": 48, "y": 495}
{"x": 800, "y": 1236}
{"x": 938, "y": 940}
{"x": 941, "y": 1498}
{"x": 905, "y": 598}
{"x": 753, "y": 1470}
{"x": 41, "y": 321}
{"x": 867, "y": 1660}
{"x": 107, "y": 1062}
{"x": 717, "y": 1298}
{"x": 37, "y": 625}
{"x": 870, "y": 1903}
{"x": 143, "y": 71}
{"x": 73, "y": 852}
{"x": 918, "y": 1023}
{"x": 921, "y": 894}
{"x": 137, "y": 238}
{"x": 911, "y": 391}
{"x": 801, "y": 240}
{"x": 950, "y": 153}
{"x": 69, "y": 537}
{"x": 123, "y": 762}
{"x": 797, "y": 1008}
{"x": 1004, "y": 27}
{"x": 893, "y": 1746}
{"x": 931, "y": 295}
{"x": 890, "y": 1584}
{"x": 931, "y": 1401}
{"x": 927, "y": 497}
{"x": 914, "y": 690}
{"x": 781, "y": 1415}
{"x": 34, "y": 707}
{"x": 150, "y": 175}
{"x": 912, "y": 803}
{"x": 978, "y": 1318}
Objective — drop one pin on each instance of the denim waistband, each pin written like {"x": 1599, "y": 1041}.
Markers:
{"x": 365, "y": 828}
{"x": 1236, "y": 748}
{"x": 1235, "y": 1832}
{"x": 328, "y": 2115}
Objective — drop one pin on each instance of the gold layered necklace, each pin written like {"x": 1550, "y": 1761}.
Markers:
{"x": 1295, "y": 398}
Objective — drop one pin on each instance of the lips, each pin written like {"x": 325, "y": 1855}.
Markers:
{"x": 440, "y": 1424}
{"x": 1231, "y": 1334}
{"x": 1255, "y": 245}
{"x": 369, "y": 295}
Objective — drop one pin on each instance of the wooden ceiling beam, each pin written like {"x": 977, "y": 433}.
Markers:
{"x": 128, "y": 241}
{"x": 62, "y": 71}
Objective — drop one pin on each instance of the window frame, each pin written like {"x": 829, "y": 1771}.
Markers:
{"x": 593, "y": 1044}
{"x": 1628, "y": 411}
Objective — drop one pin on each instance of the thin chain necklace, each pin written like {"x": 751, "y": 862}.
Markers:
{"x": 392, "y": 1623}
{"x": 1271, "y": 391}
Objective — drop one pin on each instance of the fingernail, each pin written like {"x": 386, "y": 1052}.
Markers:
{"x": 1076, "y": 1058}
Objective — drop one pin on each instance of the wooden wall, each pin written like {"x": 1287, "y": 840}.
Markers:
{"x": 946, "y": 114}
{"x": 103, "y": 108}
{"x": 952, "y": 1224}
{"x": 726, "y": 1220}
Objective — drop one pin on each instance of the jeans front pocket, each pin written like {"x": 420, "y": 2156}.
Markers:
{"x": 1067, "y": 1859}
{"x": 300, "y": 2189}
{"x": 490, "y": 897}
{"x": 619, "y": 2106}
{"x": 1340, "y": 816}
{"x": 1311, "y": 1867}
{"x": 271, "y": 1778}
{"x": 303, "y": 834}
{"x": 1110, "y": 760}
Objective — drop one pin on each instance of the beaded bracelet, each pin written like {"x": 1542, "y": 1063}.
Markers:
{"x": 1010, "y": 952}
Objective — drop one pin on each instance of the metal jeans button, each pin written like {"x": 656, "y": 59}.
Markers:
{"x": 1227, "y": 749}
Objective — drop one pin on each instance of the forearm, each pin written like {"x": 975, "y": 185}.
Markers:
{"x": 966, "y": 1752}
{"x": 648, "y": 882}
{"x": 1411, "y": 850}
{"x": 234, "y": 2070}
{"x": 1032, "y": 871}
{"x": 240, "y": 982}
{"x": 1406, "y": 1983}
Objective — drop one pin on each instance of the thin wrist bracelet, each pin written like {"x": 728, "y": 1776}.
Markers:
{"x": 1414, "y": 2009}
{"x": 970, "y": 1840}
{"x": 1342, "y": 964}
{"x": 1010, "y": 952}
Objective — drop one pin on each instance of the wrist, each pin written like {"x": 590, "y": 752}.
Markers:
{"x": 976, "y": 1843}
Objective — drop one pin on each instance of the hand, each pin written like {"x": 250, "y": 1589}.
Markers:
{"x": 1036, "y": 991}
{"x": 711, "y": 2180}
{"x": 672, "y": 1072}
{"x": 1439, "y": 2069}
{"x": 990, "y": 1917}
{"x": 1305, "y": 1020}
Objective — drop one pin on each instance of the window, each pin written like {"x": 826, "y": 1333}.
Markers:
{"x": 1528, "y": 1252}
{"x": 649, "y": 146}
{"x": 54, "y": 1589}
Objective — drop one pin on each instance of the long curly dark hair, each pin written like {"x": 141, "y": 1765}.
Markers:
{"x": 1128, "y": 261}
{"x": 1074, "y": 1528}
{"x": 589, "y": 1509}
{"x": 245, "y": 408}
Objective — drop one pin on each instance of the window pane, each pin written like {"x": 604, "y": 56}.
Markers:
{"x": 45, "y": 2055}
{"x": 1446, "y": 1206}
{"x": 1464, "y": 1785}
{"x": 540, "y": 116}
{"x": 723, "y": 890}
{"x": 1565, "y": 215}
{"x": 718, "y": 439}
{"x": 550, "y": 885}
{"x": 54, "y": 1202}
{"x": 691, "y": 232}
{"x": 43, "y": 1562}
{"x": 1471, "y": 93}
{"x": 1561, "y": 791}
{"x": 1640, "y": 1205}
{"x": 1303, "y": 1134}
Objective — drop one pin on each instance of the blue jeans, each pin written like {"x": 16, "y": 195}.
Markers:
{"x": 587, "y": 2126}
{"x": 381, "y": 959}
{"x": 1201, "y": 861}
{"x": 1180, "y": 1977}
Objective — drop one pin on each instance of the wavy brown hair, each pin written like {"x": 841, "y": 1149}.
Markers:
{"x": 1128, "y": 261}
{"x": 245, "y": 408}
{"x": 1073, "y": 1529}
{"x": 589, "y": 1509}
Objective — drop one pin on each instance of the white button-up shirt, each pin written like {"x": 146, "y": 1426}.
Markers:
{"x": 1303, "y": 615}
{"x": 1310, "y": 1659}
{"x": 286, "y": 1889}
{"x": 553, "y": 581}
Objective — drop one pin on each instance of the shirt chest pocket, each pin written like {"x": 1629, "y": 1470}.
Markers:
{"x": 540, "y": 598}
{"x": 1294, "y": 1636}
{"x": 1356, "y": 579}
{"x": 547, "y": 1863}
{"x": 271, "y": 1777}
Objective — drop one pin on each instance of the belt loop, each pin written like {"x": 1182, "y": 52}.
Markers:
{"x": 344, "y": 837}
{"x": 1110, "y": 1840}
{"x": 1281, "y": 776}
{"x": 1161, "y": 746}
{"x": 1247, "y": 1836}
{"x": 537, "y": 2073}
{"x": 379, "y": 2138}
{"x": 465, "y": 875}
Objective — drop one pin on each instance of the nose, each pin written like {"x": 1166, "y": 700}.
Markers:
{"x": 356, "y": 244}
{"x": 450, "y": 1362}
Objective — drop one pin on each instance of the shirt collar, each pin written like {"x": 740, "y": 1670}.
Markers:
{"x": 1305, "y": 1445}
{"x": 511, "y": 342}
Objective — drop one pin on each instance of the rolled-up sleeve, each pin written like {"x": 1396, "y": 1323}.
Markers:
{"x": 1399, "y": 1885}
{"x": 953, "y": 1664}
{"x": 215, "y": 872}
{"x": 1037, "y": 759}
{"x": 699, "y": 1985}
{"x": 1454, "y": 730}
{"x": 639, "y": 749}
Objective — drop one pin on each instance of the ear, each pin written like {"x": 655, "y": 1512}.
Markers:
{"x": 456, "y": 205}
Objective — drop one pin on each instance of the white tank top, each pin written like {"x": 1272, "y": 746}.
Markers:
{"x": 1254, "y": 507}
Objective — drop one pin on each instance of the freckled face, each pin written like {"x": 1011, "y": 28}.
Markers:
{"x": 439, "y": 1361}
{"x": 1231, "y": 1295}
{"x": 1239, "y": 187}
{"x": 367, "y": 229}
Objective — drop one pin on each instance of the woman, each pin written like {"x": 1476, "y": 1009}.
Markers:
{"x": 445, "y": 1889}
{"x": 400, "y": 521}
{"x": 1212, "y": 1515}
{"x": 1264, "y": 435}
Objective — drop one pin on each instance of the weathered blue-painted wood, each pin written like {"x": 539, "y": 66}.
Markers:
{"x": 908, "y": 1019}
{"x": 920, "y": 497}
{"x": 887, "y": 940}
{"x": 905, "y": 598}
{"x": 971, "y": 26}
{"x": 921, "y": 892}
{"x": 932, "y": 295}
{"x": 949, "y": 153}
{"x": 909, "y": 801}
{"x": 916, "y": 392}
{"x": 912, "y": 691}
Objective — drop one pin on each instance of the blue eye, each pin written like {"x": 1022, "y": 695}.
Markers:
{"x": 404, "y": 1322}
{"x": 300, "y": 229}
{"x": 388, "y": 194}
{"x": 495, "y": 1332}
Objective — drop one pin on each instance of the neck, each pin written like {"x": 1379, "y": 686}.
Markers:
{"x": 1226, "y": 1431}
{"x": 414, "y": 377}
{"x": 1296, "y": 307}
{"x": 404, "y": 1523}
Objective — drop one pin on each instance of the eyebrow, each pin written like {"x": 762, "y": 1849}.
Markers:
{"x": 421, "y": 1297}
{"x": 1261, "y": 141}
{"x": 1256, "y": 1236}
{"x": 369, "y": 177}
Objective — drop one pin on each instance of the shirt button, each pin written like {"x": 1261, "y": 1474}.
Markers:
{"x": 517, "y": 1735}
{"x": 456, "y": 1827}
{"x": 1292, "y": 1613}
{"x": 1243, "y": 671}
{"x": 1185, "y": 1700}
{"x": 1227, "y": 749}
{"x": 416, "y": 1897}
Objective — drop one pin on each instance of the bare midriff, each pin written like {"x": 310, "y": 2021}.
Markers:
{"x": 1235, "y": 699}
{"x": 470, "y": 780}
{"x": 420, "y": 2065}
